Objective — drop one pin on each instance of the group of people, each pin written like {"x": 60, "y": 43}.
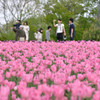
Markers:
{"x": 38, "y": 35}
{"x": 22, "y": 31}
{"x": 60, "y": 32}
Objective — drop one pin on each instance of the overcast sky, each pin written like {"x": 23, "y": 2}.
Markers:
{"x": 1, "y": 17}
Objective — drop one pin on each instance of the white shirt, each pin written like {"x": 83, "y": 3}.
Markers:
{"x": 60, "y": 28}
{"x": 38, "y": 36}
{"x": 26, "y": 28}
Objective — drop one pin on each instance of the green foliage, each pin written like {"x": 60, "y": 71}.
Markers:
{"x": 36, "y": 23}
{"x": 53, "y": 97}
{"x": 49, "y": 82}
{"x": 82, "y": 25}
{"x": 14, "y": 79}
{"x": 16, "y": 92}
{"x": 93, "y": 33}
{"x": 68, "y": 94}
{"x": 32, "y": 85}
{"x": 59, "y": 10}
{"x": 7, "y": 36}
{"x": 69, "y": 9}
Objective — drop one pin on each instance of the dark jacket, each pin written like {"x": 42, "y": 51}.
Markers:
{"x": 17, "y": 25}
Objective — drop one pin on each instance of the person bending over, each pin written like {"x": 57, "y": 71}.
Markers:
{"x": 20, "y": 33}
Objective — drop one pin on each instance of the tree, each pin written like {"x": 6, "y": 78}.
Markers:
{"x": 98, "y": 8}
{"x": 83, "y": 12}
{"x": 4, "y": 12}
{"x": 93, "y": 32}
{"x": 98, "y": 15}
{"x": 19, "y": 9}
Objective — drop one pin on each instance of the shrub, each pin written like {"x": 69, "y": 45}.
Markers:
{"x": 7, "y": 36}
{"x": 93, "y": 33}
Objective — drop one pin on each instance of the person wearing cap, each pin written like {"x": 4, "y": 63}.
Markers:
{"x": 60, "y": 29}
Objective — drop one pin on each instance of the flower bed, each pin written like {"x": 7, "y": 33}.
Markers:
{"x": 50, "y": 71}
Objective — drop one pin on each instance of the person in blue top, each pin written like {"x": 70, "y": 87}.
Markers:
{"x": 18, "y": 24}
{"x": 71, "y": 29}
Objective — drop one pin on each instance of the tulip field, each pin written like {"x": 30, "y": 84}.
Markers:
{"x": 50, "y": 70}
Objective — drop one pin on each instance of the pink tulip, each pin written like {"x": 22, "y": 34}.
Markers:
{"x": 46, "y": 68}
{"x": 53, "y": 68}
{"x": 8, "y": 75}
{"x": 96, "y": 96}
{"x": 4, "y": 92}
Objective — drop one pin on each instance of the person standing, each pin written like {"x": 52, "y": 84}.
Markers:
{"x": 71, "y": 29}
{"x": 16, "y": 26}
{"x": 60, "y": 29}
{"x": 26, "y": 29}
{"x": 47, "y": 34}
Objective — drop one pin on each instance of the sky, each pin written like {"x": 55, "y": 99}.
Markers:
{"x": 1, "y": 17}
